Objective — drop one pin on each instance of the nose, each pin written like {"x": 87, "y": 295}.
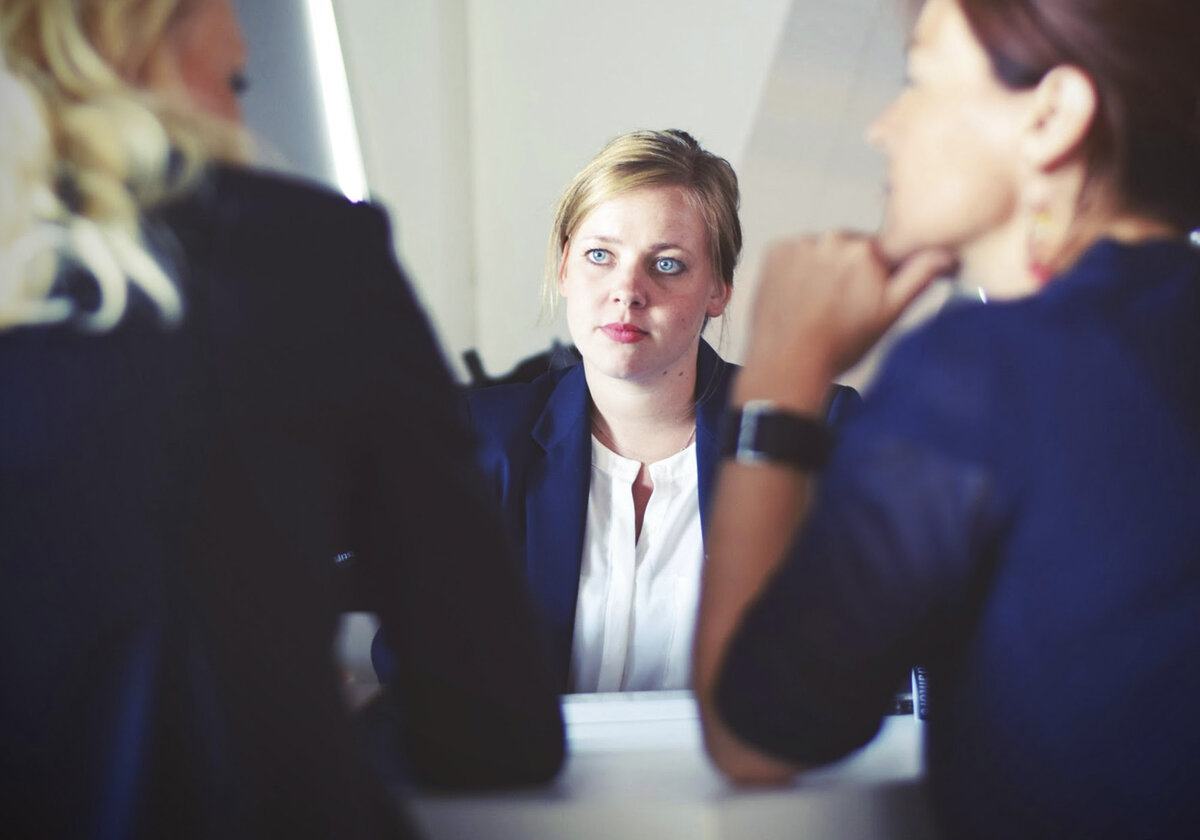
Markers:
{"x": 629, "y": 287}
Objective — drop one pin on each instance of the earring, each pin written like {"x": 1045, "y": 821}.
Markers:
{"x": 1039, "y": 234}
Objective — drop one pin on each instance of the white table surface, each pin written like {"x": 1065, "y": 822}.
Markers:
{"x": 636, "y": 769}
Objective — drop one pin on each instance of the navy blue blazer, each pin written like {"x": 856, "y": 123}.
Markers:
{"x": 534, "y": 444}
{"x": 1018, "y": 508}
{"x": 170, "y": 504}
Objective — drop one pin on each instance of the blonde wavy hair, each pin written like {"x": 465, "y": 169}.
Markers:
{"x": 87, "y": 151}
{"x": 645, "y": 158}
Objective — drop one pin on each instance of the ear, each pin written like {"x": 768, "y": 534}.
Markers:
{"x": 718, "y": 299}
{"x": 1064, "y": 109}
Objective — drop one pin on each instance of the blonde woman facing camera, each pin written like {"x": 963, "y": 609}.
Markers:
{"x": 1018, "y": 504}
{"x": 209, "y": 378}
{"x": 603, "y": 470}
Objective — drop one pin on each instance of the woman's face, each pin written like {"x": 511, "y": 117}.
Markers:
{"x": 639, "y": 282}
{"x": 203, "y": 59}
{"x": 951, "y": 139}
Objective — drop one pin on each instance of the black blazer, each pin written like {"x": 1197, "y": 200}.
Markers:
{"x": 535, "y": 451}
{"x": 171, "y": 501}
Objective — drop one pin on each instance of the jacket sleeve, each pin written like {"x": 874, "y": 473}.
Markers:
{"x": 885, "y": 570}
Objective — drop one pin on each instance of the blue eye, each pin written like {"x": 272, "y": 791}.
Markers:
{"x": 668, "y": 265}
{"x": 598, "y": 256}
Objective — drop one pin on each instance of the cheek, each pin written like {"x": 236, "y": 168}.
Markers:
{"x": 577, "y": 308}
{"x": 979, "y": 191}
{"x": 687, "y": 316}
{"x": 206, "y": 81}
{"x": 953, "y": 180}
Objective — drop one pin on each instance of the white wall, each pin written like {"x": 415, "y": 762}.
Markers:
{"x": 807, "y": 166}
{"x": 474, "y": 114}
{"x": 406, "y": 63}
{"x": 551, "y": 82}
{"x": 283, "y": 104}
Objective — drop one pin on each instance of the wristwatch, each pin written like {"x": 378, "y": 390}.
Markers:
{"x": 761, "y": 432}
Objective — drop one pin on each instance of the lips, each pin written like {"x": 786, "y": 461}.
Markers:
{"x": 623, "y": 333}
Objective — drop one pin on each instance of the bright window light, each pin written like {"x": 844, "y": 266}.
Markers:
{"x": 335, "y": 99}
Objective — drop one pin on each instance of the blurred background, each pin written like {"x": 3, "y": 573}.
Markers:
{"x": 466, "y": 118}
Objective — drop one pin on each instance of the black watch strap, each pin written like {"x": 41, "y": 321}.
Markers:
{"x": 761, "y": 432}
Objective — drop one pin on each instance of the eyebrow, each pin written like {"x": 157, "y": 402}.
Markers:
{"x": 657, "y": 246}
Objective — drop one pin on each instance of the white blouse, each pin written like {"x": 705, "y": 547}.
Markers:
{"x": 636, "y": 609}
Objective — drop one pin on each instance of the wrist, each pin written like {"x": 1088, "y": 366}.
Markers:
{"x": 801, "y": 388}
{"x": 762, "y": 432}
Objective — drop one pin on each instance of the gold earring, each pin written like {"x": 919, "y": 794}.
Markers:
{"x": 1039, "y": 234}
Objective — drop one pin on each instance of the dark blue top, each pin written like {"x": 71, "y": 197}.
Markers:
{"x": 1018, "y": 506}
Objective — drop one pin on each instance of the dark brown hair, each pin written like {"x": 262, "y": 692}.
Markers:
{"x": 1143, "y": 56}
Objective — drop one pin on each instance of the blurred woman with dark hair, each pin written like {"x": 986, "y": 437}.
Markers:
{"x": 1018, "y": 505}
{"x": 213, "y": 382}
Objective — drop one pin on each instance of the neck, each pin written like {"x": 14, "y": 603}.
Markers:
{"x": 644, "y": 421}
{"x": 1000, "y": 262}
{"x": 997, "y": 264}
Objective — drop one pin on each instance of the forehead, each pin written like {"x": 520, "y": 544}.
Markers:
{"x": 665, "y": 211}
{"x": 210, "y": 26}
{"x": 942, "y": 35}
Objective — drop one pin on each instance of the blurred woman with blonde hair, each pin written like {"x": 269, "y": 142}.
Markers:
{"x": 212, "y": 382}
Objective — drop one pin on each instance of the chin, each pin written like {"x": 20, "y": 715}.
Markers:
{"x": 612, "y": 362}
{"x": 895, "y": 244}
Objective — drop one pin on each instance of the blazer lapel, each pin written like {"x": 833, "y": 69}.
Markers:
{"x": 712, "y": 389}
{"x": 556, "y": 511}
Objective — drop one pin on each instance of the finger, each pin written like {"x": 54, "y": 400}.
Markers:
{"x": 914, "y": 276}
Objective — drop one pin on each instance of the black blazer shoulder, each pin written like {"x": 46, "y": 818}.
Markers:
{"x": 301, "y": 408}
{"x": 247, "y": 204}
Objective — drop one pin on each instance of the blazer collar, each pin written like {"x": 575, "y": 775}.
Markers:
{"x": 564, "y": 422}
{"x": 566, "y": 413}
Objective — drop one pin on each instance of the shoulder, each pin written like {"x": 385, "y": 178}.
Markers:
{"x": 1008, "y": 365}
{"x": 941, "y": 383}
{"x": 244, "y": 193}
{"x": 262, "y": 235}
{"x": 247, "y": 211}
{"x": 504, "y": 414}
{"x": 288, "y": 264}
{"x": 949, "y": 346}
